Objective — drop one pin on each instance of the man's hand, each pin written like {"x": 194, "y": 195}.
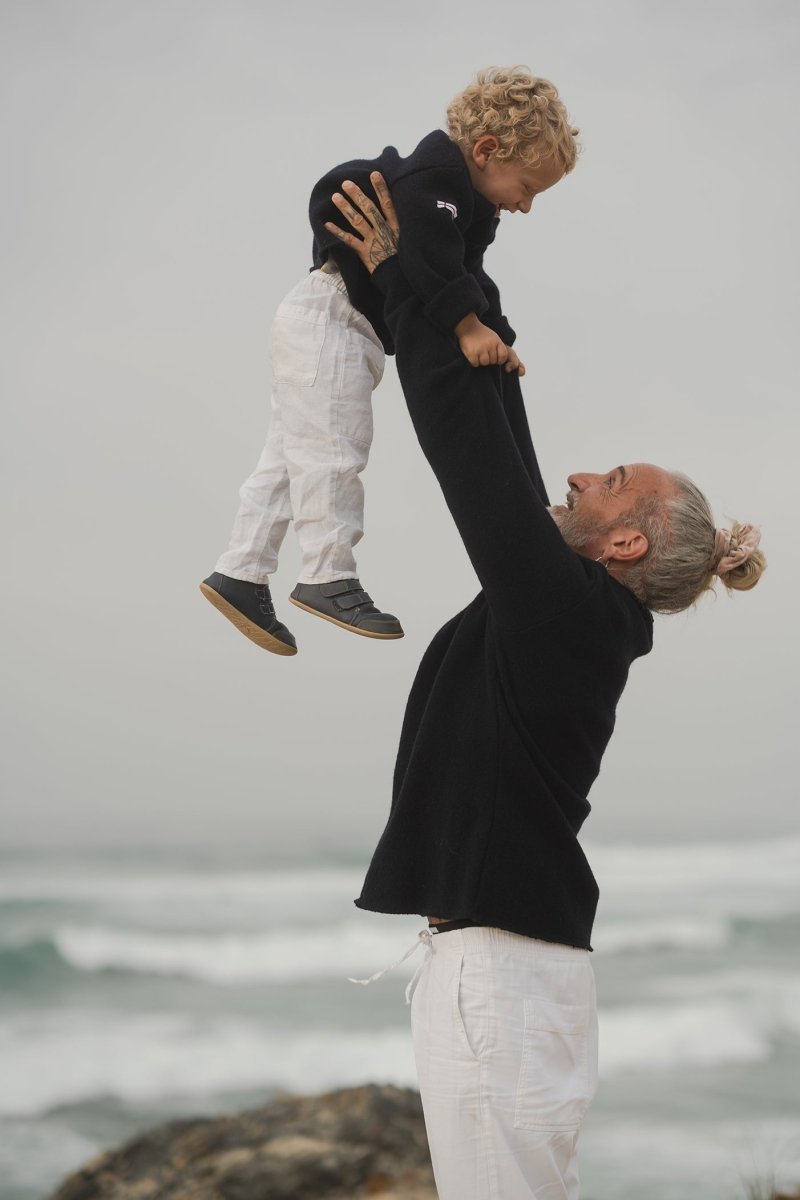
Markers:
{"x": 378, "y": 227}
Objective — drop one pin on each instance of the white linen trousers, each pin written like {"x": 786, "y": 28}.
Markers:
{"x": 505, "y": 1039}
{"x": 326, "y": 362}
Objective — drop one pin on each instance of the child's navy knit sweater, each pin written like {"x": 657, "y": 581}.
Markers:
{"x": 446, "y": 226}
{"x": 514, "y": 701}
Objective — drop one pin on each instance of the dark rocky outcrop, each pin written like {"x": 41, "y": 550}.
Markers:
{"x": 344, "y": 1145}
{"x": 357, "y": 1142}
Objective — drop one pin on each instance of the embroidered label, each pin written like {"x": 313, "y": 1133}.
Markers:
{"x": 451, "y": 208}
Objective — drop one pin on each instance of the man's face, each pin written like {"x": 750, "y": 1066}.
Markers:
{"x": 509, "y": 184}
{"x": 596, "y": 504}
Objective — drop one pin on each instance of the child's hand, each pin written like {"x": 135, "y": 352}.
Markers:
{"x": 480, "y": 345}
{"x": 514, "y": 363}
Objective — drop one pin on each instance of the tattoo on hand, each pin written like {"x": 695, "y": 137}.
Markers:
{"x": 375, "y": 238}
{"x": 384, "y": 244}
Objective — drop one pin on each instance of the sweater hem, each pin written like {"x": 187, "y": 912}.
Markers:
{"x": 490, "y": 923}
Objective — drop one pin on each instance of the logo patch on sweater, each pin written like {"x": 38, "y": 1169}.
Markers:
{"x": 451, "y": 208}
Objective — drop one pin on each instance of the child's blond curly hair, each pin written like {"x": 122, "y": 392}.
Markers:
{"x": 523, "y": 112}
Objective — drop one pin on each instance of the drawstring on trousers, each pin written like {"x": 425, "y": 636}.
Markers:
{"x": 424, "y": 938}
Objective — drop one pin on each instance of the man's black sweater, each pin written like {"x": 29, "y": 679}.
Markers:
{"x": 514, "y": 701}
{"x": 446, "y": 226}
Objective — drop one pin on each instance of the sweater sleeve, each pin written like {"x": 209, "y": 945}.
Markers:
{"x": 513, "y": 403}
{"x": 517, "y": 417}
{"x": 526, "y": 570}
{"x": 494, "y": 316}
{"x": 431, "y": 205}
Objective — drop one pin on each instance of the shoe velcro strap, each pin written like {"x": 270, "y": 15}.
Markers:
{"x": 353, "y": 599}
{"x": 339, "y": 587}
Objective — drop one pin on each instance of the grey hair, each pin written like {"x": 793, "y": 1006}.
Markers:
{"x": 677, "y": 567}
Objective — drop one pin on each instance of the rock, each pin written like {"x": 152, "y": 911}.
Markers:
{"x": 357, "y": 1142}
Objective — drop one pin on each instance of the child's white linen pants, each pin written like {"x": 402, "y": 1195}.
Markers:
{"x": 326, "y": 362}
{"x": 505, "y": 1040}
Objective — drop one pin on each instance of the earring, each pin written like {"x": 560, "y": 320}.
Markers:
{"x": 602, "y": 560}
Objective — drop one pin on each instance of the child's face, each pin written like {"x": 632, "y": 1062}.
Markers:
{"x": 509, "y": 183}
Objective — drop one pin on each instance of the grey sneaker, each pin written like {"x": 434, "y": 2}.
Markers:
{"x": 344, "y": 603}
{"x": 249, "y": 607}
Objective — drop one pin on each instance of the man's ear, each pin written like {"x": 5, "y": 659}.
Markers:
{"x": 484, "y": 149}
{"x": 625, "y": 546}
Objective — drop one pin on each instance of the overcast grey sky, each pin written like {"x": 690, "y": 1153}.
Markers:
{"x": 158, "y": 159}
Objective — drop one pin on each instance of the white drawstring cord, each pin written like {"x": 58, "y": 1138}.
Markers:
{"x": 424, "y": 938}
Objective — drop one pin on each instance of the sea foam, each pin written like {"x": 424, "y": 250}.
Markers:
{"x": 679, "y": 870}
{"x": 325, "y": 952}
{"x": 55, "y": 1059}
{"x": 282, "y": 956}
{"x": 664, "y": 1037}
{"x": 60, "y": 1059}
{"x": 676, "y": 933}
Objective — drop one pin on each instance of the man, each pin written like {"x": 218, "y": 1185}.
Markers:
{"x": 506, "y": 724}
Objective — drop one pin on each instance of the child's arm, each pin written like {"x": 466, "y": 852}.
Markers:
{"x": 431, "y": 205}
{"x": 494, "y": 315}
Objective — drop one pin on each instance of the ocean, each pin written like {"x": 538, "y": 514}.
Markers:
{"x": 138, "y": 985}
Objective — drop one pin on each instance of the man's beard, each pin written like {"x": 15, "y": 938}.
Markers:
{"x": 577, "y": 530}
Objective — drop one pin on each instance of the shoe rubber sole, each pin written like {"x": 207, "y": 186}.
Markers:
{"x": 249, "y": 628}
{"x": 384, "y": 637}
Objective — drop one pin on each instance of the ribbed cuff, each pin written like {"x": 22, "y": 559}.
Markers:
{"x": 455, "y": 301}
{"x": 384, "y": 273}
{"x": 502, "y": 328}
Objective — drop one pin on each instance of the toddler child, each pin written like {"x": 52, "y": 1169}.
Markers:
{"x": 509, "y": 139}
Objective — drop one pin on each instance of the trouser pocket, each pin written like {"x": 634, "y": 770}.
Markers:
{"x": 557, "y": 1076}
{"x": 470, "y": 1003}
{"x": 298, "y": 335}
